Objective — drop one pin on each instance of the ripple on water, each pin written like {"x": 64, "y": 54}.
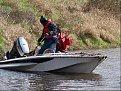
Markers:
{"x": 105, "y": 77}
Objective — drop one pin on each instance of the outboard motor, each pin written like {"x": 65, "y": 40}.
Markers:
{"x": 20, "y": 48}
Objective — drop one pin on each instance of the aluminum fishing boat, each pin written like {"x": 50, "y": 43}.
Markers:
{"x": 50, "y": 62}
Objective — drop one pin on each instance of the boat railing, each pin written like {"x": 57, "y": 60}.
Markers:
{"x": 74, "y": 54}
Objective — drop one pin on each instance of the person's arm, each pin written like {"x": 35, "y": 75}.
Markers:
{"x": 41, "y": 38}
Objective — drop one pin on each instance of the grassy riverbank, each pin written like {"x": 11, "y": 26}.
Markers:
{"x": 91, "y": 23}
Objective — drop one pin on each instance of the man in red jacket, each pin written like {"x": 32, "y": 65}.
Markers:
{"x": 49, "y": 35}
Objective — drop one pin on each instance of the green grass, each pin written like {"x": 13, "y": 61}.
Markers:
{"x": 67, "y": 2}
{"x": 26, "y": 6}
{"x": 87, "y": 39}
{"x": 2, "y": 1}
{"x": 4, "y": 7}
{"x": 67, "y": 13}
{"x": 1, "y": 40}
{"x": 119, "y": 40}
{"x": 99, "y": 43}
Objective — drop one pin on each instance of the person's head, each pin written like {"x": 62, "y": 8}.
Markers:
{"x": 43, "y": 20}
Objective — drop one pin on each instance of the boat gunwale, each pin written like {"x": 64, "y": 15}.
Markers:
{"x": 51, "y": 57}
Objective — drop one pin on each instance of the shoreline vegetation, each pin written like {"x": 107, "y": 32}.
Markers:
{"x": 92, "y": 24}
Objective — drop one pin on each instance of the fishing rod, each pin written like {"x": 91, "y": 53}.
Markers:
{"x": 33, "y": 51}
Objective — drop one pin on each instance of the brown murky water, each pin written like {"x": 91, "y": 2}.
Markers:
{"x": 105, "y": 77}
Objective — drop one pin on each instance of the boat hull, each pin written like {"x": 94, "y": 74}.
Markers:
{"x": 65, "y": 64}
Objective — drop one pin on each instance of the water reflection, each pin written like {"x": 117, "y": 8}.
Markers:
{"x": 69, "y": 81}
{"x": 16, "y": 81}
{"x": 105, "y": 77}
{"x": 19, "y": 81}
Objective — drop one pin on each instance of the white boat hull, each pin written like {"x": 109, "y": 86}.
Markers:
{"x": 54, "y": 63}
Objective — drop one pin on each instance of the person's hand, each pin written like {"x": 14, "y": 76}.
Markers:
{"x": 47, "y": 34}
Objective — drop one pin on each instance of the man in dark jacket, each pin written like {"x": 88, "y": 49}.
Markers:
{"x": 49, "y": 35}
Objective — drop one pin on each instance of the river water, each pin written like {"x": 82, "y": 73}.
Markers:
{"x": 105, "y": 77}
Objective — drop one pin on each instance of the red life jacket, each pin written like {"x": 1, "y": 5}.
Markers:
{"x": 64, "y": 42}
{"x": 46, "y": 30}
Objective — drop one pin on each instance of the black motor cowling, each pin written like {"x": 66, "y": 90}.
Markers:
{"x": 19, "y": 49}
